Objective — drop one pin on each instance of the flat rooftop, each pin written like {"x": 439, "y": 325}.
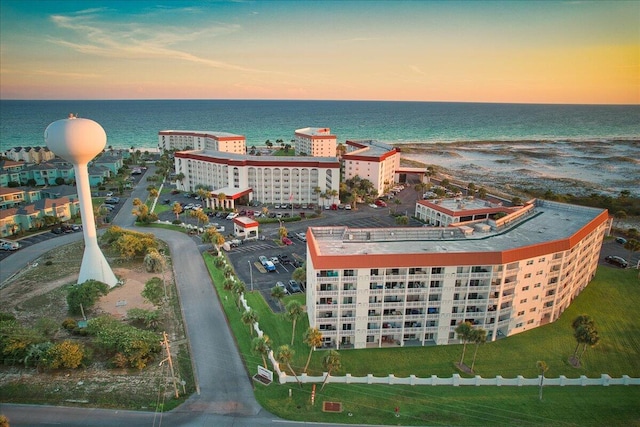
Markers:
{"x": 214, "y": 133}
{"x": 371, "y": 147}
{"x": 548, "y": 221}
{"x": 460, "y": 204}
{"x": 241, "y": 157}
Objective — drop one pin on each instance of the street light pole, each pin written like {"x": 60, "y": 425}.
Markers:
{"x": 251, "y": 272}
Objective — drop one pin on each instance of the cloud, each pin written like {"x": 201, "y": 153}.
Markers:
{"x": 417, "y": 70}
{"x": 91, "y": 36}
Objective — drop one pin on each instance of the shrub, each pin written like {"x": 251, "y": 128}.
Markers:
{"x": 48, "y": 263}
{"x": 85, "y": 294}
{"x": 67, "y": 354}
{"x": 154, "y": 262}
{"x": 69, "y": 324}
{"x": 154, "y": 291}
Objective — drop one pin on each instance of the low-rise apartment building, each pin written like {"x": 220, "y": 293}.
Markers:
{"x": 412, "y": 286}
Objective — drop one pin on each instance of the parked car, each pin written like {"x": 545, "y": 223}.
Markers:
{"x": 232, "y": 215}
{"x": 287, "y": 241}
{"x": 166, "y": 201}
{"x": 112, "y": 200}
{"x": 381, "y": 203}
{"x": 374, "y": 206}
{"x": 621, "y": 240}
{"x": 8, "y": 245}
{"x": 616, "y": 260}
{"x": 301, "y": 236}
{"x": 267, "y": 264}
{"x": 284, "y": 259}
{"x": 347, "y": 207}
{"x": 294, "y": 287}
{"x": 283, "y": 287}
{"x": 110, "y": 194}
{"x": 57, "y": 230}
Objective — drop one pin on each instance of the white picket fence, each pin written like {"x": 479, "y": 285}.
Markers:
{"x": 455, "y": 380}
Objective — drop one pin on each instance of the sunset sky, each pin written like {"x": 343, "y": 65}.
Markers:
{"x": 524, "y": 51}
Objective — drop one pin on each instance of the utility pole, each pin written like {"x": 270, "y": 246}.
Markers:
{"x": 165, "y": 344}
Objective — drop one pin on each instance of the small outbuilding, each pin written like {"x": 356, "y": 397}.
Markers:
{"x": 245, "y": 227}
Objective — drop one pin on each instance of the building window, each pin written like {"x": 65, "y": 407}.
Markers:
{"x": 532, "y": 310}
{"x": 528, "y": 275}
{"x": 523, "y": 301}
{"x": 529, "y": 321}
{"x": 525, "y": 288}
{"x": 521, "y": 313}
{"x": 519, "y": 325}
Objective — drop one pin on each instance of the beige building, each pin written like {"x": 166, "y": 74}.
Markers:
{"x": 201, "y": 140}
{"x": 372, "y": 160}
{"x": 384, "y": 287}
{"x": 315, "y": 142}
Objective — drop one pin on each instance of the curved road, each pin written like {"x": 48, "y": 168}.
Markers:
{"x": 225, "y": 395}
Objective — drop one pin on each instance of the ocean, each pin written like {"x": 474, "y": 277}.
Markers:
{"x": 567, "y": 148}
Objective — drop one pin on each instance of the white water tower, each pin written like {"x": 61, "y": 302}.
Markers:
{"x": 79, "y": 141}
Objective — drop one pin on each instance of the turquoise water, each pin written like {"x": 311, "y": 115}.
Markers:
{"x": 136, "y": 123}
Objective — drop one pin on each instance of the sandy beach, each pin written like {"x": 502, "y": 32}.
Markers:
{"x": 581, "y": 167}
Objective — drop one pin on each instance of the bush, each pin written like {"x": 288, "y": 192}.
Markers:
{"x": 154, "y": 291}
{"x": 85, "y": 294}
{"x": 67, "y": 354}
{"x": 48, "y": 263}
{"x": 69, "y": 324}
{"x": 176, "y": 222}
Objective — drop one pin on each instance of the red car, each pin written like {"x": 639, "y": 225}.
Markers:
{"x": 287, "y": 241}
{"x": 381, "y": 203}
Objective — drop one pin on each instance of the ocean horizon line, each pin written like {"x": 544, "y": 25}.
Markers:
{"x": 319, "y": 100}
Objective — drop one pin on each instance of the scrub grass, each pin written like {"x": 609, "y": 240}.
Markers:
{"x": 612, "y": 299}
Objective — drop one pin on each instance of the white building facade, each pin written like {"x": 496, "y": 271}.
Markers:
{"x": 413, "y": 286}
{"x": 315, "y": 142}
{"x": 201, "y": 140}
{"x": 268, "y": 179}
{"x": 372, "y": 160}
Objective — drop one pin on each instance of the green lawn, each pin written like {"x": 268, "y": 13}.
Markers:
{"x": 618, "y": 353}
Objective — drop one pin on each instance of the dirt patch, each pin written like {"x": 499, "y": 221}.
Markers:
{"x": 126, "y": 296}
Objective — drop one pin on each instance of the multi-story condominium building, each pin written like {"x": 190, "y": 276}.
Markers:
{"x": 371, "y": 160}
{"x": 315, "y": 142}
{"x": 267, "y": 179}
{"x": 181, "y": 140}
{"x": 413, "y": 286}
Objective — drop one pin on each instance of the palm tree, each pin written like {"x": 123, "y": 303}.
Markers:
{"x": 278, "y": 294}
{"x": 227, "y": 285}
{"x": 249, "y": 317}
{"x": 239, "y": 288}
{"x": 541, "y": 365}
{"x": 582, "y": 320}
{"x": 331, "y": 362}
{"x": 177, "y": 209}
{"x": 260, "y": 345}
{"x": 472, "y": 188}
{"x": 317, "y": 191}
{"x": 284, "y": 354}
{"x": 464, "y": 333}
{"x": 482, "y": 193}
{"x": 221, "y": 198}
{"x": 293, "y": 311}
{"x": 632, "y": 246}
{"x": 478, "y": 336}
{"x": 300, "y": 274}
{"x": 313, "y": 338}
